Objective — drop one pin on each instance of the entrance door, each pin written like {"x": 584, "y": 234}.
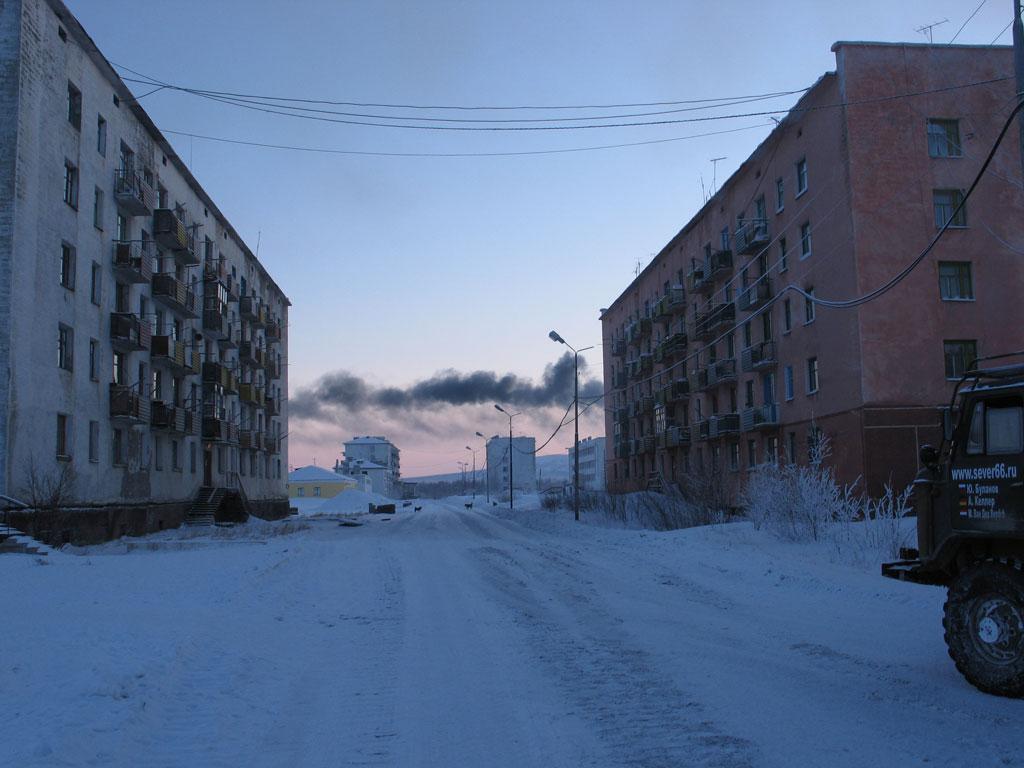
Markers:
{"x": 207, "y": 465}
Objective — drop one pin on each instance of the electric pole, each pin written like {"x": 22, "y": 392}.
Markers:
{"x": 1018, "y": 66}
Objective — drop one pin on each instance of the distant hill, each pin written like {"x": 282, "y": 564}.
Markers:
{"x": 551, "y": 470}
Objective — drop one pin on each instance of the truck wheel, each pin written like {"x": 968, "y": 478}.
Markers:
{"x": 984, "y": 623}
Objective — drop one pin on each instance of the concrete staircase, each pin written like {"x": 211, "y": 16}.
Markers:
{"x": 204, "y": 508}
{"x": 13, "y": 541}
{"x": 654, "y": 482}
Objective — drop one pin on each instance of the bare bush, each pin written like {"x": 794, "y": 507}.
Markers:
{"x": 48, "y": 491}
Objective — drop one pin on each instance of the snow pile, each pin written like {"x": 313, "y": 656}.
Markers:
{"x": 351, "y": 502}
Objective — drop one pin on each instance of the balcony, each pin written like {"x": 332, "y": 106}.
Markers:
{"x": 272, "y": 444}
{"x": 250, "y": 393}
{"x": 272, "y": 367}
{"x": 167, "y": 418}
{"x": 634, "y": 409}
{"x": 128, "y": 332}
{"x": 250, "y": 308}
{"x": 699, "y": 280}
{"x": 676, "y": 436}
{"x": 646, "y": 404}
{"x": 719, "y": 264}
{"x": 703, "y": 429}
{"x": 127, "y": 405}
{"x": 633, "y": 369}
{"x": 756, "y": 295}
{"x": 214, "y": 270}
{"x": 646, "y": 326}
{"x": 633, "y": 332}
{"x": 132, "y": 263}
{"x": 674, "y": 392}
{"x": 646, "y": 362}
{"x": 723, "y": 424}
{"x": 218, "y": 374}
{"x": 215, "y": 324}
{"x": 617, "y": 347}
{"x": 752, "y": 236}
{"x": 250, "y": 354}
{"x": 233, "y": 338}
{"x": 618, "y": 379}
{"x": 647, "y": 444}
{"x": 132, "y": 193}
{"x": 716, "y": 319}
{"x": 716, "y": 373}
{"x": 248, "y": 439}
{"x": 764, "y": 417}
{"x": 672, "y": 302}
{"x": 175, "y": 234}
{"x": 670, "y": 347}
{"x": 218, "y": 430}
{"x": 759, "y": 357}
{"x": 174, "y": 294}
{"x": 622, "y": 449}
{"x": 273, "y": 333}
{"x": 273, "y": 406}
{"x": 170, "y": 352}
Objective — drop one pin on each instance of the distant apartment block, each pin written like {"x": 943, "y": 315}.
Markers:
{"x": 592, "y": 461}
{"x": 143, "y": 343}
{"x": 714, "y": 370}
{"x": 519, "y": 459}
{"x": 376, "y": 458}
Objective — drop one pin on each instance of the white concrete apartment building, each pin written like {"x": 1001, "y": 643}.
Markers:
{"x": 377, "y": 458}
{"x": 142, "y": 344}
{"x": 591, "y": 463}
{"x": 523, "y": 465}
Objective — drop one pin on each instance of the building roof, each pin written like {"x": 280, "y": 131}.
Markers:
{"x": 314, "y": 474}
{"x": 364, "y": 464}
{"x": 369, "y": 440}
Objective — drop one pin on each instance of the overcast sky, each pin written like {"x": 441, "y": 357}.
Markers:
{"x": 401, "y": 267}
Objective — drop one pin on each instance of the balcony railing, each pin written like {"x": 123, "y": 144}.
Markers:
{"x": 759, "y": 357}
{"x": 723, "y": 424}
{"x": 220, "y": 375}
{"x": 175, "y": 234}
{"x": 273, "y": 332}
{"x": 272, "y": 406}
{"x": 132, "y": 192}
{"x": 271, "y": 444}
{"x": 676, "y": 436}
{"x": 167, "y": 418}
{"x": 762, "y": 417}
{"x": 214, "y": 270}
{"x": 699, "y": 280}
{"x": 633, "y": 332}
{"x": 719, "y": 264}
{"x": 752, "y": 236}
{"x": 673, "y": 301}
{"x": 647, "y": 444}
{"x": 128, "y": 332}
{"x": 174, "y": 294}
{"x": 633, "y": 369}
{"x": 713, "y": 320}
{"x": 250, "y": 393}
{"x": 219, "y": 430}
{"x": 272, "y": 367}
{"x": 250, "y": 308}
{"x": 674, "y": 392}
{"x": 670, "y": 347}
{"x": 618, "y": 347}
{"x": 132, "y": 263}
{"x": 164, "y": 349}
{"x": 215, "y": 324}
{"x": 756, "y": 295}
{"x": 250, "y": 354}
{"x": 127, "y": 405}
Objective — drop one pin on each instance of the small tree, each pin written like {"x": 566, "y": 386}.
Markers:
{"x": 48, "y": 491}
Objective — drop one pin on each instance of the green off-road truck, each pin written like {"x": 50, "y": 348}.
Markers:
{"x": 969, "y": 502}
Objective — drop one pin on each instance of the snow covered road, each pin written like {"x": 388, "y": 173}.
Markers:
{"x": 461, "y": 638}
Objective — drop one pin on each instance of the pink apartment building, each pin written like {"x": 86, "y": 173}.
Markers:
{"x": 714, "y": 369}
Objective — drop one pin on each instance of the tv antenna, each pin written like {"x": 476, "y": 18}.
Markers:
{"x": 714, "y": 174}
{"x": 927, "y": 28}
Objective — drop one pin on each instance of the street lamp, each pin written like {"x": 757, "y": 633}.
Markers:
{"x": 576, "y": 422}
{"x": 474, "y": 470}
{"x": 487, "y": 485}
{"x": 462, "y": 468}
{"x": 510, "y": 417}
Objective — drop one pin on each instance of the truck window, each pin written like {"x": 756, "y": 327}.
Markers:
{"x": 1004, "y": 426}
{"x": 976, "y": 437}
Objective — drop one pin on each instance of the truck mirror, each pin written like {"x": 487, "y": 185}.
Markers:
{"x": 928, "y": 455}
{"x": 947, "y": 424}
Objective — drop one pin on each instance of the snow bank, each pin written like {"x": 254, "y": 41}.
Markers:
{"x": 352, "y": 502}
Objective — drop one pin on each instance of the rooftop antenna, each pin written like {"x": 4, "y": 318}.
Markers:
{"x": 703, "y": 190}
{"x": 638, "y": 268}
{"x": 259, "y": 236}
{"x": 714, "y": 177}
{"x": 927, "y": 28}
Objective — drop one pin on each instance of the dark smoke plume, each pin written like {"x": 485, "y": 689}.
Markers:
{"x": 343, "y": 390}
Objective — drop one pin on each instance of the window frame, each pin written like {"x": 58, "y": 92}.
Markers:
{"x": 71, "y": 184}
{"x": 801, "y": 177}
{"x": 68, "y": 265}
{"x": 63, "y": 437}
{"x": 74, "y": 106}
{"x": 805, "y": 240}
{"x": 101, "y": 135}
{"x": 813, "y": 375}
{"x": 65, "y": 347}
{"x": 958, "y": 280}
{"x": 956, "y": 198}
{"x": 944, "y": 123}
{"x": 947, "y": 359}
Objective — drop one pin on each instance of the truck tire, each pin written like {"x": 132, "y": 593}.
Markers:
{"x": 984, "y": 623}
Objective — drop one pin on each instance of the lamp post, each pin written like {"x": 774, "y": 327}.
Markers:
{"x": 576, "y": 421}
{"x": 511, "y": 503}
{"x": 487, "y": 485}
{"x": 462, "y": 468}
{"x": 474, "y": 470}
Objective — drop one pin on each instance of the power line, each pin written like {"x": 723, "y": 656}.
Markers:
{"x": 966, "y": 22}
{"x": 1010, "y": 24}
{"x": 326, "y": 150}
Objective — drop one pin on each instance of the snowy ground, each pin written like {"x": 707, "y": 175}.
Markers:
{"x": 450, "y": 637}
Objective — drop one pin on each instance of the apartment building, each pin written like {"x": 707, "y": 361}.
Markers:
{"x": 144, "y": 345}
{"x": 376, "y": 457}
{"x": 517, "y": 457}
{"x": 717, "y": 367}
{"x": 592, "y": 463}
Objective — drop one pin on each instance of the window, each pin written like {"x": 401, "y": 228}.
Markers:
{"x": 316, "y": 490}
{"x": 812, "y": 375}
{"x": 746, "y": 335}
{"x": 121, "y": 230}
{"x": 71, "y": 184}
{"x": 730, "y": 345}
{"x": 771, "y": 450}
{"x": 101, "y": 135}
{"x": 301, "y": 491}
{"x": 94, "y": 360}
{"x": 783, "y": 255}
{"x": 943, "y": 138}
{"x": 801, "y": 176}
{"x": 945, "y": 202}
{"x": 94, "y": 441}
{"x": 734, "y": 456}
{"x": 158, "y": 458}
{"x": 117, "y": 447}
{"x": 120, "y": 372}
{"x": 959, "y": 356}
{"x": 67, "y": 266}
{"x": 780, "y": 194}
{"x": 809, "y": 307}
{"x": 192, "y": 457}
{"x": 725, "y": 238}
{"x": 74, "y": 106}
{"x": 97, "y": 209}
{"x": 805, "y": 240}
{"x": 175, "y": 458}
{"x": 955, "y": 282}
{"x": 788, "y": 375}
{"x": 96, "y": 283}
{"x": 65, "y": 347}
{"x": 63, "y": 438}
{"x": 787, "y": 316}
{"x": 1004, "y": 426}
{"x": 749, "y": 392}
{"x": 792, "y": 448}
{"x": 766, "y": 324}
{"x": 751, "y": 453}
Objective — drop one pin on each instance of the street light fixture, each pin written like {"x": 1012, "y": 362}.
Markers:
{"x": 473, "y": 451}
{"x": 462, "y": 468}
{"x": 487, "y": 485}
{"x": 576, "y": 422}
{"x": 511, "y": 503}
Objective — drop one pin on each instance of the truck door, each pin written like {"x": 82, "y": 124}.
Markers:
{"x": 989, "y": 470}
